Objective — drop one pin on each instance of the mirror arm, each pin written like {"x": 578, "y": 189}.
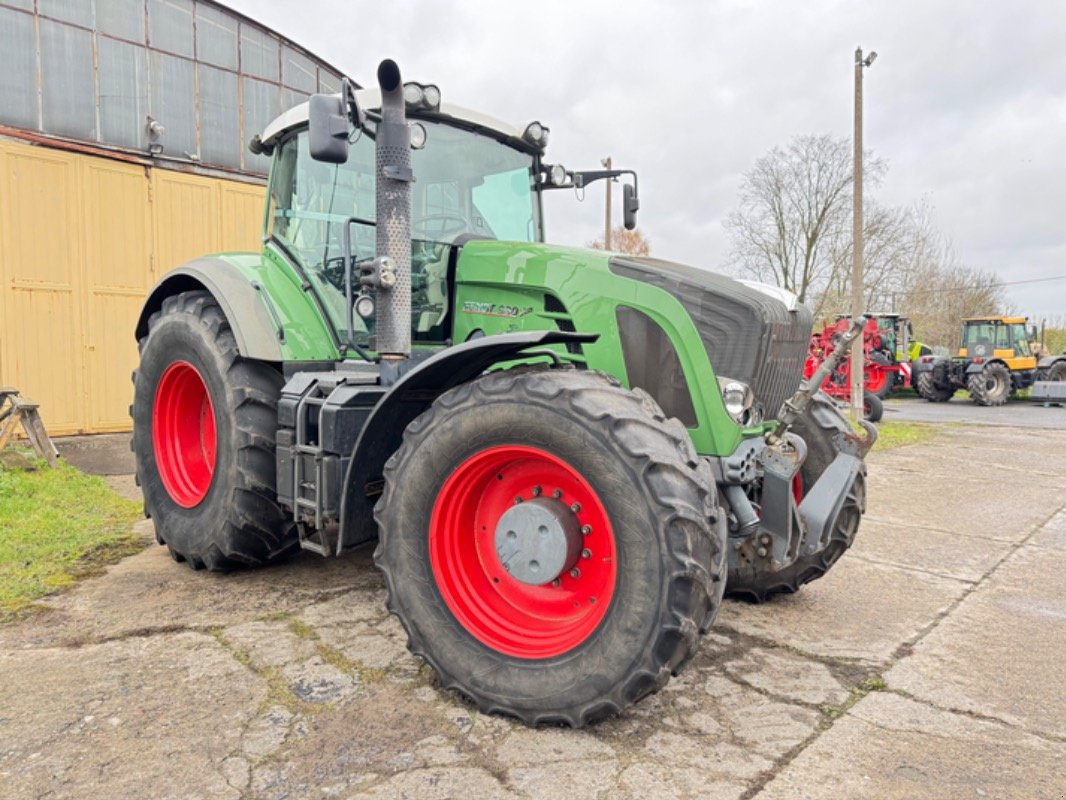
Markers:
{"x": 583, "y": 179}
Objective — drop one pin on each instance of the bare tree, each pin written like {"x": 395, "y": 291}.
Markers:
{"x": 793, "y": 229}
{"x": 632, "y": 242}
{"x": 795, "y": 213}
{"x": 913, "y": 270}
{"x": 900, "y": 244}
{"x": 944, "y": 294}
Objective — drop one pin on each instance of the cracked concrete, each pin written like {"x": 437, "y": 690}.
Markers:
{"x": 927, "y": 664}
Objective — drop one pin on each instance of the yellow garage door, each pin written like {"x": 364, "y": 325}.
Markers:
{"x": 82, "y": 240}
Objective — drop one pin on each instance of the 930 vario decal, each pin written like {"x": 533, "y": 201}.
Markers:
{"x": 495, "y": 310}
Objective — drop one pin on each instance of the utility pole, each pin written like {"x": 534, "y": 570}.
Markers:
{"x": 857, "y": 288}
{"x": 607, "y": 219}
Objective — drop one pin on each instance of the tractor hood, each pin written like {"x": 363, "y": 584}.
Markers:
{"x": 752, "y": 334}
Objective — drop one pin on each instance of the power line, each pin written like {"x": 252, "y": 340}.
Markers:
{"x": 997, "y": 285}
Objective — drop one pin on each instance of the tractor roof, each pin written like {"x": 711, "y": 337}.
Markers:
{"x": 994, "y": 318}
{"x": 370, "y": 99}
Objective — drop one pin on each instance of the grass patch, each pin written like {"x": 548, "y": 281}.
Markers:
{"x": 874, "y": 683}
{"x": 891, "y": 435}
{"x": 58, "y": 525}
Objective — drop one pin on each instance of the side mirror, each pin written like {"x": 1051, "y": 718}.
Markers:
{"x": 630, "y": 205}
{"x": 328, "y": 128}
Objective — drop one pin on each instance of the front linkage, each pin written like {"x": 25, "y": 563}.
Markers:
{"x": 795, "y": 495}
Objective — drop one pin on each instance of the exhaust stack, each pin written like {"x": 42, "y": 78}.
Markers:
{"x": 393, "y": 156}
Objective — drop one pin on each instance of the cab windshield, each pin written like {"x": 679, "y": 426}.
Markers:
{"x": 999, "y": 335}
{"x": 465, "y": 184}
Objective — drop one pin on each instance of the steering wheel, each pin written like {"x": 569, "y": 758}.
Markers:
{"x": 450, "y": 224}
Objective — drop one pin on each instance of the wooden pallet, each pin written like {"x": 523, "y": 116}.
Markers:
{"x": 15, "y": 409}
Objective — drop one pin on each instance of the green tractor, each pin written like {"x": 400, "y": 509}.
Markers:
{"x": 566, "y": 456}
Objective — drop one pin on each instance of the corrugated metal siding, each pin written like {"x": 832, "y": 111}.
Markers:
{"x": 82, "y": 240}
{"x": 99, "y": 71}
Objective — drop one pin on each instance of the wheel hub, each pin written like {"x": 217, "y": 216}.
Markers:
{"x": 536, "y": 541}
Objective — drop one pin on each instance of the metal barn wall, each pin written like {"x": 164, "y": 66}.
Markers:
{"x": 82, "y": 240}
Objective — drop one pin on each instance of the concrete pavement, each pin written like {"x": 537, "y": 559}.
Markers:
{"x": 1015, "y": 414}
{"x": 927, "y": 664}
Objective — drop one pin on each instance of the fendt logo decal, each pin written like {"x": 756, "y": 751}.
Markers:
{"x": 494, "y": 310}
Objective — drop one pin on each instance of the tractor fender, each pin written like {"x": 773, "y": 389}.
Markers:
{"x": 926, "y": 364}
{"x": 973, "y": 369}
{"x": 412, "y": 394}
{"x": 258, "y": 336}
{"x": 1046, "y": 362}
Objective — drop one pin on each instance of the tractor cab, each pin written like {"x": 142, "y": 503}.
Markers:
{"x": 472, "y": 177}
{"x": 1004, "y": 338}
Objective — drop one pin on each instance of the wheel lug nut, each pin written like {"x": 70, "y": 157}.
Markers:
{"x": 556, "y": 583}
{"x": 536, "y": 491}
{"x": 586, "y": 553}
{"x": 575, "y": 573}
{"x": 586, "y": 529}
{"x": 557, "y": 493}
{"x": 518, "y": 500}
{"x": 575, "y": 507}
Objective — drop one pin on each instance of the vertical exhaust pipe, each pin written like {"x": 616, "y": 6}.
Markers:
{"x": 393, "y": 156}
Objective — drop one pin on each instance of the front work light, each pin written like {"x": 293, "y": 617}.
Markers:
{"x": 536, "y": 134}
{"x": 421, "y": 97}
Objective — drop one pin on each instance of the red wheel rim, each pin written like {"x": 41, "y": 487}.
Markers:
{"x": 183, "y": 433}
{"x": 875, "y": 378}
{"x": 509, "y": 616}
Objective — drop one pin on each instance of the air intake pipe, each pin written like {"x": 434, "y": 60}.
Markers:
{"x": 393, "y": 218}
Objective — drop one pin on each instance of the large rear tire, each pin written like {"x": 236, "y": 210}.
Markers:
{"x": 928, "y": 388}
{"x": 1056, "y": 372}
{"x": 204, "y": 422}
{"x": 991, "y": 386}
{"x": 817, "y": 427}
{"x": 612, "y": 623}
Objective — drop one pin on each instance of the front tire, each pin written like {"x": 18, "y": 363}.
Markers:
{"x": 927, "y": 387}
{"x": 991, "y": 386}
{"x": 204, "y": 422}
{"x": 614, "y": 622}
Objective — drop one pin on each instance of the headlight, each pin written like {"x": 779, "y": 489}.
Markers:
{"x": 738, "y": 399}
{"x": 557, "y": 175}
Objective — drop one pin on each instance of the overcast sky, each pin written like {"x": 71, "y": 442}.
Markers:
{"x": 966, "y": 102}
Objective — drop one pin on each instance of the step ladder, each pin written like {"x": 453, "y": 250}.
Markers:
{"x": 15, "y": 409}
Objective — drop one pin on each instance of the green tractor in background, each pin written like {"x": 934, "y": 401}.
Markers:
{"x": 567, "y": 456}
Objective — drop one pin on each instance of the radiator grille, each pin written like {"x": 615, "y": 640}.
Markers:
{"x": 749, "y": 336}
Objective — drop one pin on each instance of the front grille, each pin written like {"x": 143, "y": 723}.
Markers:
{"x": 749, "y": 336}
{"x": 780, "y": 372}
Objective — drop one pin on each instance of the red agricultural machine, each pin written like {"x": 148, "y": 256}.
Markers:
{"x": 881, "y": 369}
